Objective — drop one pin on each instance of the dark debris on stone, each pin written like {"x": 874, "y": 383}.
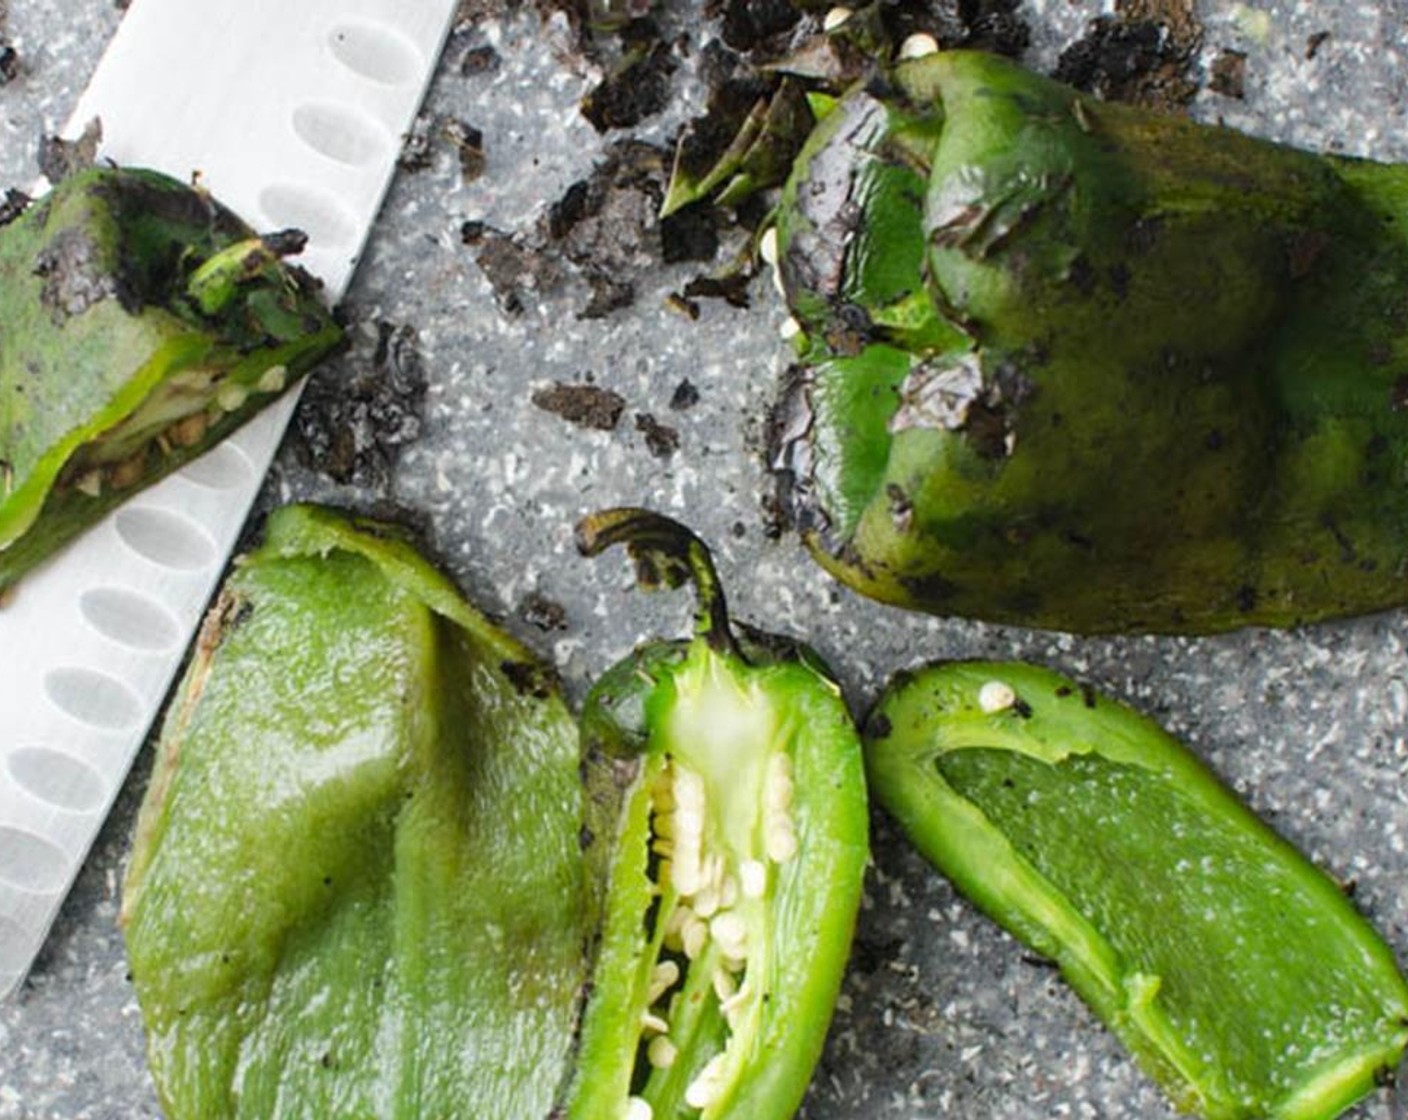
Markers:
{"x": 587, "y": 406}
{"x": 1143, "y": 54}
{"x": 357, "y": 413}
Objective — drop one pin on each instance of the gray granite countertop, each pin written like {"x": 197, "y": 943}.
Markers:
{"x": 942, "y": 1014}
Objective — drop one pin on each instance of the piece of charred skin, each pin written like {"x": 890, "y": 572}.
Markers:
{"x": 355, "y": 888}
{"x": 1238, "y": 974}
{"x": 140, "y": 322}
{"x": 726, "y": 838}
{"x": 1072, "y": 365}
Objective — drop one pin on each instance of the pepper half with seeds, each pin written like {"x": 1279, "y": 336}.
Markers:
{"x": 140, "y": 322}
{"x": 355, "y": 889}
{"x": 1238, "y": 974}
{"x": 727, "y": 833}
{"x": 1073, "y": 365}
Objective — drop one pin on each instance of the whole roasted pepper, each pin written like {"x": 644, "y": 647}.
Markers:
{"x": 356, "y": 889}
{"x": 726, "y": 832}
{"x": 1074, "y": 365}
{"x": 1239, "y": 975}
{"x": 140, "y": 322}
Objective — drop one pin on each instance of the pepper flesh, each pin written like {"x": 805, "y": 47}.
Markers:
{"x": 1237, "y": 973}
{"x": 355, "y": 888}
{"x": 727, "y": 827}
{"x": 142, "y": 322}
{"x": 1073, "y": 365}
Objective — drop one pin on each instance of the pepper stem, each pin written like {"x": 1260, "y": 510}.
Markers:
{"x": 217, "y": 280}
{"x": 666, "y": 554}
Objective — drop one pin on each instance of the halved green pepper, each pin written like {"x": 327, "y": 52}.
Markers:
{"x": 140, "y": 322}
{"x": 1075, "y": 365}
{"x": 356, "y": 888}
{"x": 1239, "y": 975}
{"x": 727, "y": 834}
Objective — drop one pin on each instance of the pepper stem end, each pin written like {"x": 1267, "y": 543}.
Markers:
{"x": 666, "y": 554}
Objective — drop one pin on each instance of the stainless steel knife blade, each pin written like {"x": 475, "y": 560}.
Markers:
{"x": 292, "y": 114}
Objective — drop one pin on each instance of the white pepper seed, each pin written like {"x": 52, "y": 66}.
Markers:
{"x": 730, "y": 931}
{"x": 694, "y": 937}
{"x": 665, "y": 976}
{"x": 919, "y": 45}
{"x": 704, "y": 1090}
{"x": 660, "y": 1052}
{"x": 231, "y": 396}
{"x": 996, "y": 696}
{"x": 767, "y": 245}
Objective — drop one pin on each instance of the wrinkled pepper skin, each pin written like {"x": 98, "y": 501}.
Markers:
{"x": 356, "y": 888}
{"x": 1237, "y": 973}
{"x": 140, "y": 323}
{"x": 1070, "y": 365}
{"x": 727, "y": 839}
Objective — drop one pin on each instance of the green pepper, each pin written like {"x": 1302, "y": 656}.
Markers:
{"x": 1074, "y": 365}
{"x": 1238, "y": 974}
{"x": 356, "y": 889}
{"x": 140, "y": 322}
{"x": 727, "y": 835}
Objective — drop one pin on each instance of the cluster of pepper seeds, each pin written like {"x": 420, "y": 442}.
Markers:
{"x": 189, "y": 406}
{"x": 710, "y": 923}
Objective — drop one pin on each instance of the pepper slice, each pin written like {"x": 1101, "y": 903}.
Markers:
{"x": 141, "y": 322}
{"x": 1009, "y": 290}
{"x": 1237, "y": 973}
{"x": 727, "y": 828}
{"x": 355, "y": 888}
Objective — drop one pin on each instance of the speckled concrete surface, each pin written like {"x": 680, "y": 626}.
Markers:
{"x": 941, "y": 1015}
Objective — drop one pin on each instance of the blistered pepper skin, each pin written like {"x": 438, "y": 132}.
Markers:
{"x": 1070, "y": 365}
{"x": 140, "y": 323}
{"x": 726, "y": 838}
{"x": 1238, "y": 974}
{"x": 356, "y": 889}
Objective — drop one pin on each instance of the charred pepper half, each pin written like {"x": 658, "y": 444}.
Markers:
{"x": 140, "y": 322}
{"x": 1074, "y": 365}
{"x": 356, "y": 889}
{"x": 726, "y": 831}
{"x": 1238, "y": 974}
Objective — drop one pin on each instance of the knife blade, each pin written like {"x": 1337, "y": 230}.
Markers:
{"x": 292, "y": 115}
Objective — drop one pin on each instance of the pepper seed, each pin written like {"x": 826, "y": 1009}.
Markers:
{"x": 996, "y": 696}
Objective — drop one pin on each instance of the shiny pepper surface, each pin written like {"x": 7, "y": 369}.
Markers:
{"x": 1239, "y": 975}
{"x": 1074, "y": 365}
{"x": 356, "y": 889}
{"x": 140, "y": 323}
{"x": 727, "y": 833}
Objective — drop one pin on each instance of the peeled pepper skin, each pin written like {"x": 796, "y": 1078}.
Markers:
{"x": 355, "y": 889}
{"x": 1072, "y": 365}
{"x": 1238, "y": 974}
{"x": 119, "y": 360}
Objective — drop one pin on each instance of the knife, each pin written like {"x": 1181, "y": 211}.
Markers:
{"x": 291, "y": 112}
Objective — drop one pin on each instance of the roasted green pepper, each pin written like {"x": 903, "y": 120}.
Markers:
{"x": 726, "y": 830}
{"x": 140, "y": 322}
{"x": 1074, "y": 365}
{"x": 356, "y": 887}
{"x": 1239, "y": 975}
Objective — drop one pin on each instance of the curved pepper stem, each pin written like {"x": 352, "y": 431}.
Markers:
{"x": 666, "y": 554}
{"x": 218, "y": 279}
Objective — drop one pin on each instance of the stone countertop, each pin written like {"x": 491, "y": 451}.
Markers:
{"x": 941, "y": 1014}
